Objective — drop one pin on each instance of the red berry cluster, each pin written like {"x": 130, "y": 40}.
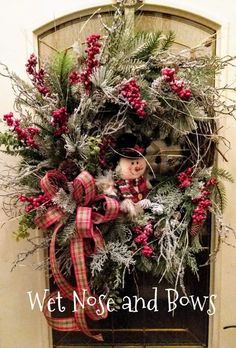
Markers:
{"x": 185, "y": 178}
{"x": 74, "y": 77}
{"x": 11, "y": 122}
{"x": 143, "y": 233}
{"x": 35, "y": 202}
{"x": 203, "y": 202}
{"x": 37, "y": 77}
{"x": 211, "y": 182}
{"x": 60, "y": 120}
{"x": 27, "y": 134}
{"x": 200, "y": 211}
{"x": 131, "y": 92}
{"x": 93, "y": 49}
{"x": 176, "y": 85}
{"x": 107, "y": 143}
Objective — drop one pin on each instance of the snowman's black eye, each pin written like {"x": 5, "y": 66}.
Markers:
{"x": 132, "y": 162}
{"x": 137, "y": 162}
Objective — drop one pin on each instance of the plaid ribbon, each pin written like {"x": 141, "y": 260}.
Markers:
{"x": 84, "y": 193}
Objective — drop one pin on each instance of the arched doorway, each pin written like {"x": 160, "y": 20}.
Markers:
{"x": 143, "y": 329}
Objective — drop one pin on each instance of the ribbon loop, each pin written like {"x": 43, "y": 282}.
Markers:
{"x": 84, "y": 188}
{"x": 52, "y": 181}
{"x": 52, "y": 216}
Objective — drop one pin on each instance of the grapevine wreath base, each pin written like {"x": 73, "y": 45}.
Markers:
{"x": 116, "y": 161}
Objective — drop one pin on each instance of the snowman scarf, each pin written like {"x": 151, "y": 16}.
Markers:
{"x": 134, "y": 189}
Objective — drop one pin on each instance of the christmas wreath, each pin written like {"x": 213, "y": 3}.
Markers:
{"x": 117, "y": 143}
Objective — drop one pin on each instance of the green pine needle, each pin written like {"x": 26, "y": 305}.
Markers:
{"x": 147, "y": 43}
{"x": 219, "y": 193}
{"x": 59, "y": 69}
{"x": 223, "y": 174}
{"x": 167, "y": 41}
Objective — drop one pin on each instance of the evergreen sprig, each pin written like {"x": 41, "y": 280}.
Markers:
{"x": 59, "y": 69}
{"x": 10, "y": 142}
{"x": 26, "y": 223}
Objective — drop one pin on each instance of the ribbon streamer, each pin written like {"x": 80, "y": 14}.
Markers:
{"x": 84, "y": 193}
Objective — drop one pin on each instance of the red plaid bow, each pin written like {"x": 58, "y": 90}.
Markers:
{"x": 86, "y": 220}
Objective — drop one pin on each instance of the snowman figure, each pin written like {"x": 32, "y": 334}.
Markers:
{"x": 131, "y": 184}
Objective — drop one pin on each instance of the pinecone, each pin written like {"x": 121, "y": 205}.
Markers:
{"x": 70, "y": 169}
{"x": 196, "y": 228}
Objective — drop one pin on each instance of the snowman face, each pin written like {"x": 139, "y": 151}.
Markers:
{"x": 131, "y": 168}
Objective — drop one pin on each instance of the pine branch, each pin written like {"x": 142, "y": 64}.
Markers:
{"x": 58, "y": 76}
{"x": 146, "y": 43}
{"x": 219, "y": 193}
{"x": 223, "y": 174}
{"x": 167, "y": 41}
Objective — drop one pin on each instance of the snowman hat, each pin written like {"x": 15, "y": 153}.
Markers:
{"x": 128, "y": 146}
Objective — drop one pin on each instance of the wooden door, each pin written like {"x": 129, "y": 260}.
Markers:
{"x": 187, "y": 327}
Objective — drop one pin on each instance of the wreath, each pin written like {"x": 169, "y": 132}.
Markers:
{"x": 117, "y": 143}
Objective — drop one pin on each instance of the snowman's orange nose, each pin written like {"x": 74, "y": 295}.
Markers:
{"x": 138, "y": 168}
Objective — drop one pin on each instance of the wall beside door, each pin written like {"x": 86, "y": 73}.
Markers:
{"x": 19, "y": 326}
